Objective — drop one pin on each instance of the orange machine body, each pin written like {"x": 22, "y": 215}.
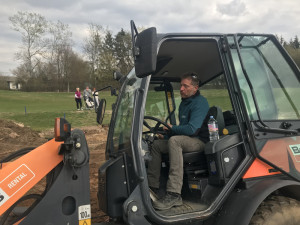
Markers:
{"x": 278, "y": 152}
{"x": 259, "y": 169}
{"x": 19, "y": 176}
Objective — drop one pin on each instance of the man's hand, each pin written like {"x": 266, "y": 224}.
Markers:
{"x": 160, "y": 136}
{"x": 165, "y": 128}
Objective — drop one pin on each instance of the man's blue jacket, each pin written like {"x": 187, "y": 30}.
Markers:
{"x": 192, "y": 112}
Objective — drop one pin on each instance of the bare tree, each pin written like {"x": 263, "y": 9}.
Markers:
{"x": 60, "y": 45}
{"x": 92, "y": 49}
{"x": 32, "y": 27}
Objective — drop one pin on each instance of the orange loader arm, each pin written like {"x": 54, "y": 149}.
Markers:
{"x": 19, "y": 176}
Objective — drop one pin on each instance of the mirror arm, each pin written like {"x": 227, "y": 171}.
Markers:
{"x": 134, "y": 34}
{"x": 111, "y": 88}
{"x": 105, "y": 88}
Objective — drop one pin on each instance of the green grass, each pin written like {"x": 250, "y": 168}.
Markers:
{"x": 218, "y": 97}
{"x": 43, "y": 108}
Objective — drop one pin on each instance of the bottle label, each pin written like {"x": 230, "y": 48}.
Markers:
{"x": 212, "y": 128}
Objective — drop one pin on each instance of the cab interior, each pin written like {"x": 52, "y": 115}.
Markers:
{"x": 208, "y": 173}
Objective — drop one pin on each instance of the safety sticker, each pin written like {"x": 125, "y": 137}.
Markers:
{"x": 85, "y": 222}
{"x": 15, "y": 182}
{"x": 84, "y": 215}
{"x": 295, "y": 149}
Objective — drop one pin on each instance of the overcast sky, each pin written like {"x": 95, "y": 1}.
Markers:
{"x": 221, "y": 16}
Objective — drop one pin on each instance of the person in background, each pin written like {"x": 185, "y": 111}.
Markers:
{"x": 96, "y": 98}
{"x": 87, "y": 93}
{"x": 78, "y": 99}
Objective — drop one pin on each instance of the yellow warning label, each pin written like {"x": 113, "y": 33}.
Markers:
{"x": 85, "y": 222}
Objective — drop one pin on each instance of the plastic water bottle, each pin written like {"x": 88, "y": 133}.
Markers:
{"x": 213, "y": 129}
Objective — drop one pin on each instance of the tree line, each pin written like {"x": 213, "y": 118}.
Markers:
{"x": 49, "y": 62}
{"x": 292, "y": 47}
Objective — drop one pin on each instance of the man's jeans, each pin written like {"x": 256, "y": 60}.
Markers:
{"x": 175, "y": 146}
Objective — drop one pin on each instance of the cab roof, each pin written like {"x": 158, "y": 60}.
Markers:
{"x": 179, "y": 53}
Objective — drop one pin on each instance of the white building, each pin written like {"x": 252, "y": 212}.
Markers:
{"x": 12, "y": 84}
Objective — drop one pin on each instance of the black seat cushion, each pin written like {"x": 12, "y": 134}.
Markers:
{"x": 192, "y": 157}
{"x": 188, "y": 157}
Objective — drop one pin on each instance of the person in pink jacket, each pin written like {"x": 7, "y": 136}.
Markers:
{"x": 78, "y": 99}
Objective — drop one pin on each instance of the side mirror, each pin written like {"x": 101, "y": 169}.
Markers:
{"x": 117, "y": 75}
{"x": 101, "y": 111}
{"x": 144, "y": 50}
{"x": 62, "y": 129}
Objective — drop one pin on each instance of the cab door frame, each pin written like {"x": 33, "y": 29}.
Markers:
{"x": 259, "y": 132}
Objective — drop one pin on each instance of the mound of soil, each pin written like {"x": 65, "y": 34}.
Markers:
{"x": 14, "y": 136}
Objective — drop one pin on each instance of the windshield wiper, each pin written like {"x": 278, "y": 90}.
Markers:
{"x": 275, "y": 130}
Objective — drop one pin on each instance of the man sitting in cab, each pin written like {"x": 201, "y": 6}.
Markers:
{"x": 192, "y": 112}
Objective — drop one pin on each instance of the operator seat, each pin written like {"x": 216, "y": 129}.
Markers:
{"x": 196, "y": 161}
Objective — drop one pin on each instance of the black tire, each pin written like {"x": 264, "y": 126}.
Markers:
{"x": 101, "y": 111}
{"x": 277, "y": 210}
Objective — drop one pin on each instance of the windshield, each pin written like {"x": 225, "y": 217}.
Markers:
{"x": 274, "y": 82}
{"x": 122, "y": 130}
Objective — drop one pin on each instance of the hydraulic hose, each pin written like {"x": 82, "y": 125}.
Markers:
{"x": 16, "y": 154}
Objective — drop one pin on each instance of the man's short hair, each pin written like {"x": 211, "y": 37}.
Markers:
{"x": 193, "y": 76}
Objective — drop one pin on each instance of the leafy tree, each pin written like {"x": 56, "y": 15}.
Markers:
{"x": 108, "y": 59}
{"x": 3, "y": 82}
{"x": 281, "y": 40}
{"x": 79, "y": 71}
{"x": 123, "y": 48}
{"x": 296, "y": 43}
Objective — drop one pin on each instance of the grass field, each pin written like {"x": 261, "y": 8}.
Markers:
{"x": 43, "y": 108}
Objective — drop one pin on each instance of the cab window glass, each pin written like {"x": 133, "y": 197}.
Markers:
{"x": 274, "y": 83}
{"x": 216, "y": 93}
{"x": 156, "y": 104}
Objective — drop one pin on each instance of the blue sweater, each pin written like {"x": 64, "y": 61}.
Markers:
{"x": 192, "y": 112}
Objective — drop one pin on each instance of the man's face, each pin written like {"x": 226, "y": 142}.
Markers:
{"x": 186, "y": 88}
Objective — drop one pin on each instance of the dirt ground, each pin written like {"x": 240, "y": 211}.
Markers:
{"x": 14, "y": 136}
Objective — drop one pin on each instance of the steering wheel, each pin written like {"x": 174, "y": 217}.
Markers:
{"x": 156, "y": 129}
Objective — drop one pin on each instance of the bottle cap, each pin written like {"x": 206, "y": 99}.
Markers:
{"x": 225, "y": 131}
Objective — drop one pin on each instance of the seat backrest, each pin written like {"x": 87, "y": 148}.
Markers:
{"x": 217, "y": 113}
